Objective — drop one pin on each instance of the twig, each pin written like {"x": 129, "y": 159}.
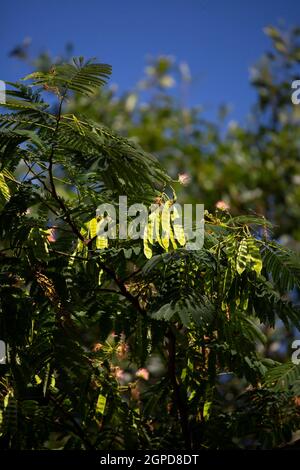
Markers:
{"x": 54, "y": 193}
{"x": 36, "y": 176}
{"x": 120, "y": 283}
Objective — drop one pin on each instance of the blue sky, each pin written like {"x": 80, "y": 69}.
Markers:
{"x": 220, "y": 39}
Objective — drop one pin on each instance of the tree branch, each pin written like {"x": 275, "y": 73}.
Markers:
{"x": 120, "y": 283}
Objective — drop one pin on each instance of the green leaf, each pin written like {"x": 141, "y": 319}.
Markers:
{"x": 282, "y": 264}
{"x": 80, "y": 77}
{"x": 283, "y": 377}
{"x": 147, "y": 248}
{"x": 92, "y": 228}
{"x": 101, "y": 404}
{"x": 32, "y": 137}
{"x": 206, "y": 410}
{"x": 38, "y": 243}
{"x": 241, "y": 259}
{"x": 254, "y": 260}
{"x": 166, "y": 312}
{"x": 4, "y": 191}
{"x": 188, "y": 309}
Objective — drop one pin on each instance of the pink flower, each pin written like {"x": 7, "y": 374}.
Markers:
{"x": 222, "y": 206}
{"x": 52, "y": 235}
{"x": 119, "y": 373}
{"x": 184, "y": 179}
{"x": 142, "y": 373}
{"x": 122, "y": 350}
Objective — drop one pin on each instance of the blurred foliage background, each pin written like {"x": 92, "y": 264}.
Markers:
{"x": 252, "y": 168}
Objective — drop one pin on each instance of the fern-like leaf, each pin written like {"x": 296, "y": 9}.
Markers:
{"x": 79, "y": 76}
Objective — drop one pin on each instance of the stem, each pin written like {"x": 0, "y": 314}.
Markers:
{"x": 134, "y": 300}
{"x": 36, "y": 176}
{"x": 54, "y": 193}
{"x": 178, "y": 398}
